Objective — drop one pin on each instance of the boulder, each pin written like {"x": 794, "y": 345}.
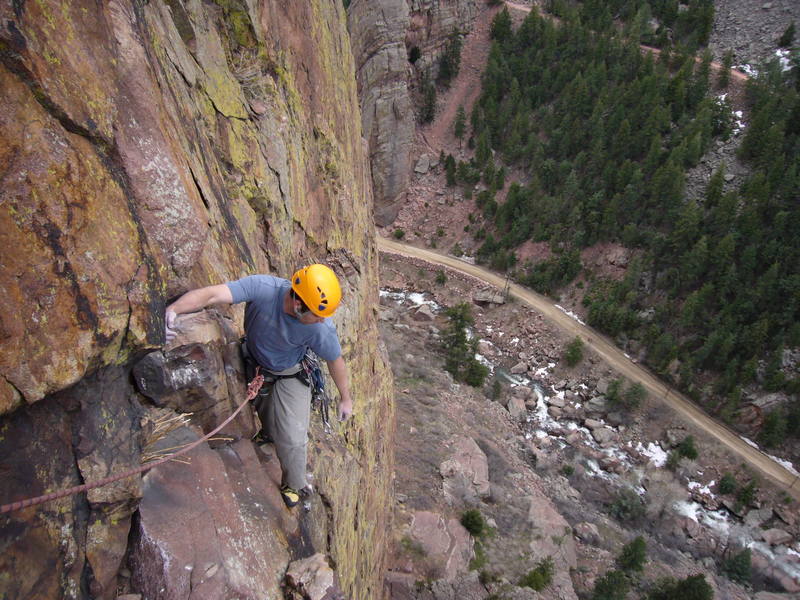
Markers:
{"x": 423, "y": 313}
{"x": 776, "y": 537}
{"x": 201, "y": 372}
{"x": 675, "y": 436}
{"x": 312, "y": 578}
{"x": 516, "y": 407}
{"x": 593, "y": 424}
{"x": 587, "y": 532}
{"x": 519, "y": 368}
{"x": 224, "y": 498}
{"x": 400, "y": 586}
{"x": 423, "y": 164}
{"x": 484, "y": 297}
{"x": 597, "y": 406}
{"x": 464, "y": 587}
{"x": 447, "y": 545}
{"x": 604, "y": 435}
{"x": 466, "y": 472}
{"x": 552, "y": 536}
{"x": 755, "y": 518}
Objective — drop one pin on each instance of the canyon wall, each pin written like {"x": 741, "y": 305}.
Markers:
{"x": 147, "y": 148}
{"x": 385, "y": 35}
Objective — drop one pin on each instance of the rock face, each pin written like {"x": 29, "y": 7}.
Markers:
{"x": 147, "y": 149}
{"x": 378, "y": 29}
{"x": 384, "y": 35}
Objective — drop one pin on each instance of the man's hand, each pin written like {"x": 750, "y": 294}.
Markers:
{"x": 345, "y": 409}
{"x": 171, "y": 329}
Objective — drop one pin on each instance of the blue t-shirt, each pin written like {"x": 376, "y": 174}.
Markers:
{"x": 277, "y": 340}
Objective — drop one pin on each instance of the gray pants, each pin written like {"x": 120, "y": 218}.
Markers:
{"x": 285, "y": 409}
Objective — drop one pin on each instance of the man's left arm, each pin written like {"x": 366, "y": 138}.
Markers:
{"x": 338, "y": 371}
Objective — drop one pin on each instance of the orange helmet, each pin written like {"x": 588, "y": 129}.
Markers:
{"x": 318, "y": 287}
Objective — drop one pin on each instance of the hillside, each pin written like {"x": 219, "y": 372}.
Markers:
{"x": 612, "y": 238}
{"x": 556, "y": 469}
{"x": 445, "y": 217}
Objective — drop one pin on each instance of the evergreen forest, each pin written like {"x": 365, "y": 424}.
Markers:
{"x": 605, "y": 132}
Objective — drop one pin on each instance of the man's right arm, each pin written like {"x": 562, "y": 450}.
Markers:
{"x": 193, "y": 301}
{"x": 200, "y": 298}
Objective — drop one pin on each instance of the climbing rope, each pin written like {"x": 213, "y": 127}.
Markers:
{"x": 252, "y": 390}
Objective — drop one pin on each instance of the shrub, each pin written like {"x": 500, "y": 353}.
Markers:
{"x": 611, "y": 586}
{"x": 633, "y": 555}
{"x": 673, "y": 460}
{"x": 472, "y": 520}
{"x": 441, "y": 278}
{"x": 737, "y": 567}
{"x": 727, "y": 485}
{"x": 567, "y": 470}
{"x": 414, "y": 54}
{"x": 540, "y": 576}
{"x": 634, "y": 395}
{"x": 574, "y": 353}
{"x": 614, "y": 392}
{"x": 687, "y": 448}
{"x": 627, "y": 506}
{"x": 747, "y": 493}
{"x": 787, "y": 38}
{"x": 398, "y": 234}
{"x": 694, "y": 587}
{"x": 479, "y": 561}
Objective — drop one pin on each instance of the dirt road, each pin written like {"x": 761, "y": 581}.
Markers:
{"x": 614, "y": 357}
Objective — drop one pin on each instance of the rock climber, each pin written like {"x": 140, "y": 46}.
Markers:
{"x": 282, "y": 319}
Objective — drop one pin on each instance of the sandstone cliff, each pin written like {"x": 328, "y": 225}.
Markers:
{"x": 148, "y": 148}
{"x": 384, "y": 36}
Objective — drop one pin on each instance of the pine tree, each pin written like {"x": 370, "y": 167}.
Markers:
{"x": 633, "y": 555}
{"x": 501, "y": 26}
{"x": 460, "y": 122}
{"x": 787, "y": 39}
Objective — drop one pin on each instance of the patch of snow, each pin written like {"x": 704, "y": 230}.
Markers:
{"x": 569, "y": 313}
{"x": 749, "y": 70}
{"x": 415, "y": 298}
{"x": 687, "y": 509}
{"x": 783, "y": 59}
{"x": 654, "y": 452}
{"x": 738, "y": 124}
{"x": 750, "y": 442}
{"x": 696, "y": 486}
{"x": 515, "y": 341}
{"x": 785, "y": 464}
{"x": 717, "y": 520}
{"x": 484, "y": 361}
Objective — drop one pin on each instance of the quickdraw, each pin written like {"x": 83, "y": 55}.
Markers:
{"x": 319, "y": 396}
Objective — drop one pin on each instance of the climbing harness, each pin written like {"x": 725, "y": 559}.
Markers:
{"x": 252, "y": 390}
{"x": 310, "y": 374}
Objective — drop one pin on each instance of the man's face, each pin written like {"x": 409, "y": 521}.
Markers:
{"x": 304, "y": 315}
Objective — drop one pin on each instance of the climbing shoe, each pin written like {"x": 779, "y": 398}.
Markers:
{"x": 291, "y": 497}
{"x": 262, "y": 438}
